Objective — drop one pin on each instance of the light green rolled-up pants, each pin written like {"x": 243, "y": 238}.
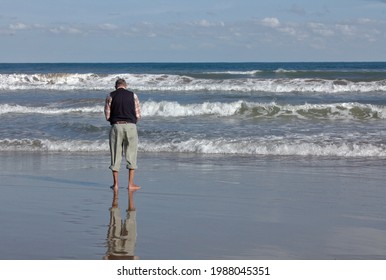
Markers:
{"x": 123, "y": 140}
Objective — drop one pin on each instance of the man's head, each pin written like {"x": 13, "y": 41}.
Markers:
{"x": 120, "y": 83}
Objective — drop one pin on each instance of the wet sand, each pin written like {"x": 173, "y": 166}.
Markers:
{"x": 57, "y": 206}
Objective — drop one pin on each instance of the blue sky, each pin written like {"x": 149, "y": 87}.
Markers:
{"x": 192, "y": 31}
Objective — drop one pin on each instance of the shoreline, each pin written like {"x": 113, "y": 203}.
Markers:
{"x": 195, "y": 207}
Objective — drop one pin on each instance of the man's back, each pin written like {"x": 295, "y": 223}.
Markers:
{"x": 122, "y": 106}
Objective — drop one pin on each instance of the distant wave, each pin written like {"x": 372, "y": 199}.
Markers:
{"x": 281, "y": 70}
{"x": 251, "y": 72}
{"x": 239, "y": 108}
{"x": 305, "y": 72}
{"x": 264, "y": 146}
{"x": 284, "y": 70}
{"x": 176, "y": 83}
{"x": 18, "y": 109}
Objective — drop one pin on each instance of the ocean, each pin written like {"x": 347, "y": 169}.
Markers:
{"x": 249, "y": 109}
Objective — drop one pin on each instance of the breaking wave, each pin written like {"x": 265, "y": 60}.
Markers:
{"x": 19, "y": 109}
{"x": 250, "y": 109}
{"x": 241, "y": 108}
{"x": 45, "y": 145}
{"x": 263, "y": 146}
{"x": 177, "y": 83}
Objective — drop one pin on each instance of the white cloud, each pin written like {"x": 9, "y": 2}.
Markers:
{"x": 321, "y": 29}
{"x": 151, "y": 35}
{"x": 290, "y": 30}
{"x": 365, "y": 20}
{"x": 18, "y": 26}
{"x": 65, "y": 30}
{"x": 270, "y": 22}
{"x": 346, "y": 29}
{"x": 207, "y": 23}
{"x": 108, "y": 26}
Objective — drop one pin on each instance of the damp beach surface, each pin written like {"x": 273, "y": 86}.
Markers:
{"x": 57, "y": 206}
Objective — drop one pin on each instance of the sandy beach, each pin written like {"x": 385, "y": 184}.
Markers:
{"x": 57, "y": 206}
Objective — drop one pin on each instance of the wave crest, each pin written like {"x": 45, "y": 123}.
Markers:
{"x": 19, "y": 109}
{"x": 239, "y": 108}
{"x": 263, "y": 146}
{"x": 45, "y": 145}
{"x": 177, "y": 83}
{"x": 268, "y": 147}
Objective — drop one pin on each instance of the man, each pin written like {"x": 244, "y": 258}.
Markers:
{"x": 122, "y": 110}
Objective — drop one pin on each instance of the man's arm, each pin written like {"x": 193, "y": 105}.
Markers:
{"x": 137, "y": 107}
{"x": 107, "y": 107}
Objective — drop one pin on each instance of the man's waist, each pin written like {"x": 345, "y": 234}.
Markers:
{"x": 122, "y": 122}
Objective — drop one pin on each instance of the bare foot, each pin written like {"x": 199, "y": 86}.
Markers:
{"x": 133, "y": 187}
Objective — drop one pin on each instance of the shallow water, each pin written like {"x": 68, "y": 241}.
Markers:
{"x": 56, "y": 206}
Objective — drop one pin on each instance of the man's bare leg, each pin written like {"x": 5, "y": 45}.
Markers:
{"x": 115, "y": 179}
{"x": 132, "y": 186}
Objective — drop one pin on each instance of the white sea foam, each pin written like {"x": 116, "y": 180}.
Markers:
{"x": 351, "y": 110}
{"x": 45, "y": 145}
{"x": 163, "y": 82}
{"x": 174, "y": 109}
{"x": 268, "y": 147}
{"x": 19, "y": 109}
{"x": 246, "y": 146}
{"x": 281, "y": 70}
{"x": 251, "y": 72}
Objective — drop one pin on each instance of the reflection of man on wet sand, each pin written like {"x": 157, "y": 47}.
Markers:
{"x": 122, "y": 235}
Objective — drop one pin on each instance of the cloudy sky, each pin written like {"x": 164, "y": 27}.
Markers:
{"x": 192, "y": 31}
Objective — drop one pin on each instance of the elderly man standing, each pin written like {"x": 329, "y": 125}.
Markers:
{"x": 122, "y": 110}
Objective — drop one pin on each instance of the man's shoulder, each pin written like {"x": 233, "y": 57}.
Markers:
{"x": 109, "y": 96}
{"x": 122, "y": 90}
